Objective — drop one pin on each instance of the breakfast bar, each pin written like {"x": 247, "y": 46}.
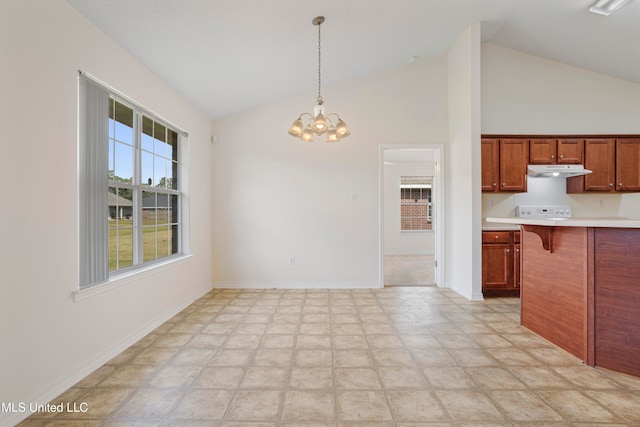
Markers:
{"x": 580, "y": 287}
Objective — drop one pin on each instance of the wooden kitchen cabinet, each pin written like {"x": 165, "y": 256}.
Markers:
{"x": 544, "y": 151}
{"x": 490, "y": 151}
{"x": 500, "y": 263}
{"x": 615, "y": 166}
{"x": 504, "y": 164}
{"x": 628, "y": 164}
{"x": 514, "y": 157}
{"x": 600, "y": 160}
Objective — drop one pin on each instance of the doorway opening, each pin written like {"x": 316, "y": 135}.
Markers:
{"x": 411, "y": 207}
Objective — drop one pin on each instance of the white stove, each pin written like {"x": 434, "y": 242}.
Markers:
{"x": 543, "y": 211}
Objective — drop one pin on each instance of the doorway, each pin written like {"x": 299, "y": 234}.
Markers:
{"x": 411, "y": 189}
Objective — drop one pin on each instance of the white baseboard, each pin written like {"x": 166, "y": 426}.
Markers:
{"x": 296, "y": 285}
{"x": 477, "y": 297}
{"x": 54, "y": 390}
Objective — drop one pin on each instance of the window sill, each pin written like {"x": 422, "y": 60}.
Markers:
{"x": 126, "y": 278}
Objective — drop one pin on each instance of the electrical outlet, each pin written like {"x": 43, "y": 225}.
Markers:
{"x": 601, "y": 203}
{"x": 292, "y": 260}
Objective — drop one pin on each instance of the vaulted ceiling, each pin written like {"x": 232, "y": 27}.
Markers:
{"x": 229, "y": 56}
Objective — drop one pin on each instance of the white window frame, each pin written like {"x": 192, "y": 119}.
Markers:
{"x": 413, "y": 182}
{"x": 121, "y": 276}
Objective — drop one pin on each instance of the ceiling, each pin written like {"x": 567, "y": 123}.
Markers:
{"x": 229, "y": 56}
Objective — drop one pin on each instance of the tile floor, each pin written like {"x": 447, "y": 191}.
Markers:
{"x": 409, "y": 270}
{"x": 412, "y": 356}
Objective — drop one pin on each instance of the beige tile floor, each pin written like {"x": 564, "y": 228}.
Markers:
{"x": 409, "y": 270}
{"x": 401, "y": 356}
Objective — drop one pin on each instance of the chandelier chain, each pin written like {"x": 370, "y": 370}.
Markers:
{"x": 319, "y": 79}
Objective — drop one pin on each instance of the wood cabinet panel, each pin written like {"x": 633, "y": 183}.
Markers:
{"x": 514, "y": 156}
{"x": 490, "y": 167}
{"x": 584, "y": 296}
{"x": 546, "y": 151}
{"x": 600, "y": 159}
{"x": 500, "y": 263}
{"x": 496, "y": 237}
{"x": 496, "y": 266}
{"x": 628, "y": 164}
{"x": 570, "y": 151}
{"x": 553, "y": 292}
{"x": 542, "y": 151}
{"x": 617, "y": 299}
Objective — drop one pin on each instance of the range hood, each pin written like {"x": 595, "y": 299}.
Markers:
{"x": 550, "y": 171}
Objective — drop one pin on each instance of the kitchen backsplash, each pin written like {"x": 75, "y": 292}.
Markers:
{"x": 553, "y": 191}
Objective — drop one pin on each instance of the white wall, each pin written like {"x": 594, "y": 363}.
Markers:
{"x": 276, "y": 197}
{"x": 47, "y": 341}
{"x": 463, "y": 229}
{"x": 526, "y": 94}
{"x": 395, "y": 241}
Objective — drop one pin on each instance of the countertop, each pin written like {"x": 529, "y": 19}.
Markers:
{"x": 607, "y": 222}
{"x": 500, "y": 227}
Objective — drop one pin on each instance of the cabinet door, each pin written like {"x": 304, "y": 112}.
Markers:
{"x": 514, "y": 156}
{"x": 599, "y": 157}
{"x": 497, "y": 268}
{"x": 542, "y": 151}
{"x": 628, "y": 164}
{"x": 570, "y": 151}
{"x": 490, "y": 153}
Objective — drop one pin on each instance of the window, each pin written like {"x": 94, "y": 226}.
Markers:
{"x": 415, "y": 203}
{"x": 130, "y": 194}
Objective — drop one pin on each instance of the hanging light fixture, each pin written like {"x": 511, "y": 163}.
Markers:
{"x": 319, "y": 122}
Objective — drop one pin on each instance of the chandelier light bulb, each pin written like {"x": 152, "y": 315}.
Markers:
{"x": 307, "y": 134}
{"x": 296, "y": 128}
{"x": 341, "y": 129}
{"x": 319, "y": 124}
{"x": 332, "y": 136}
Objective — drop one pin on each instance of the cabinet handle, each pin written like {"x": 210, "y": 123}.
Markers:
{"x": 517, "y": 250}
{"x": 507, "y": 250}
{"x": 494, "y": 184}
{"x": 504, "y": 183}
{"x": 611, "y": 184}
{"x": 562, "y": 156}
{"x": 553, "y": 157}
{"x": 619, "y": 184}
{"x": 497, "y": 237}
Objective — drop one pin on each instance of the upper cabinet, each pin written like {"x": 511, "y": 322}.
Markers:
{"x": 504, "y": 164}
{"x": 490, "y": 168}
{"x": 600, "y": 159}
{"x": 543, "y": 151}
{"x": 615, "y": 166}
{"x": 614, "y": 161}
{"x": 514, "y": 157}
{"x": 570, "y": 151}
{"x": 628, "y": 164}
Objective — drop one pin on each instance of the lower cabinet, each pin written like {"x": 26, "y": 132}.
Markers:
{"x": 501, "y": 263}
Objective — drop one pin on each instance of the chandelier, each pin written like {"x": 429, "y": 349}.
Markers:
{"x": 319, "y": 122}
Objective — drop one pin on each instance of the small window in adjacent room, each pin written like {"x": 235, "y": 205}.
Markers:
{"x": 415, "y": 203}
